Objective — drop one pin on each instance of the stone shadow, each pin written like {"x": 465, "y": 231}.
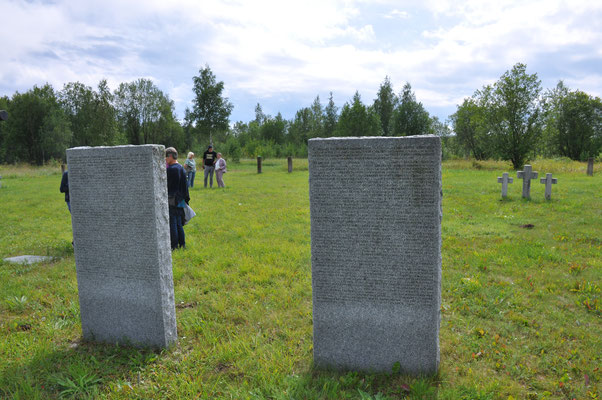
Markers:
{"x": 80, "y": 370}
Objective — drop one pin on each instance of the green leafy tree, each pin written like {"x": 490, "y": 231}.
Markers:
{"x": 439, "y": 128}
{"x": 90, "y": 113}
{"x": 273, "y": 129}
{"x": 579, "y": 126}
{"x": 211, "y": 110}
{"x": 515, "y": 114}
{"x": 470, "y": 123}
{"x": 384, "y": 104}
{"x": 55, "y": 135}
{"x": 188, "y": 128}
{"x": 317, "y": 119}
{"x": 77, "y": 101}
{"x": 331, "y": 117}
{"x": 232, "y": 149}
{"x": 166, "y": 129}
{"x": 37, "y": 129}
{"x": 300, "y": 128}
{"x": 442, "y": 130}
{"x": 104, "y": 126}
{"x": 146, "y": 114}
{"x": 310, "y": 122}
{"x": 358, "y": 120}
{"x": 4, "y": 100}
{"x": 409, "y": 117}
{"x": 260, "y": 117}
{"x": 547, "y": 144}
{"x": 128, "y": 105}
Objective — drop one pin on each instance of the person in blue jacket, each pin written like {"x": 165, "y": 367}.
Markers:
{"x": 177, "y": 198}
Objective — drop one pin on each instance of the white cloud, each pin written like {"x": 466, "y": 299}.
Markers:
{"x": 397, "y": 14}
{"x": 269, "y": 48}
{"x": 591, "y": 84}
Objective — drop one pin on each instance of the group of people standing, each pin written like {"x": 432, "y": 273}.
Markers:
{"x": 212, "y": 162}
{"x": 180, "y": 179}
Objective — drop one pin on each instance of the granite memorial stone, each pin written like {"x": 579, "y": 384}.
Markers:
{"x": 290, "y": 164}
{"x": 526, "y": 175}
{"x": 504, "y": 180}
{"x": 122, "y": 247}
{"x": 375, "y": 206}
{"x": 259, "y": 164}
{"x": 548, "y": 181}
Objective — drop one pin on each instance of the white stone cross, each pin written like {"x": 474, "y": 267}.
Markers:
{"x": 526, "y": 176}
{"x": 504, "y": 180}
{"x": 548, "y": 180}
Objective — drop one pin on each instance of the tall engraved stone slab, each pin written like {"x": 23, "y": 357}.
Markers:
{"x": 375, "y": 208}
{"x": 122, "y": 249}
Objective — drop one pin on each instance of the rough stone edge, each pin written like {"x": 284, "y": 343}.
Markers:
{"x": 165, "y": 273}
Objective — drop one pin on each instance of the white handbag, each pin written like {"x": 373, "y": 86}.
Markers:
{"x": 188, "y": 214}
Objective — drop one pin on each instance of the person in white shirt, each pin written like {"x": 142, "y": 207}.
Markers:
{"x": 220, "y": 170}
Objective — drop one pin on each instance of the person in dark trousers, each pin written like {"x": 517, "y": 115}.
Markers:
{"x": 65, "y": 189}
{"x": 190, "y": 168}
{"x": 209, "y": 158}
{"x": 177, "y": 198}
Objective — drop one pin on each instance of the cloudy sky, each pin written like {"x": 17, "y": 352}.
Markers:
{"x": 282, "y": 54}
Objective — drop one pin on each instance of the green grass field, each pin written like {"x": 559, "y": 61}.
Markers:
{"x": 520, "y": 315}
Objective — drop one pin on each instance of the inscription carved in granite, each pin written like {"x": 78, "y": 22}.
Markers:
{"x": 122, "y": 248}
{"x": 376, "y": 252}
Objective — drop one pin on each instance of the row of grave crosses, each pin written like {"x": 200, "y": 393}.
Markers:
{"x": 526, "y": 176}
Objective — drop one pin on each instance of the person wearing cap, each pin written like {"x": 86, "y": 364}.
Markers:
{"x": 177, "y": 198}
{"x": 209, "y": 158}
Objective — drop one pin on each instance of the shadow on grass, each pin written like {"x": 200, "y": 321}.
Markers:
{"x": 325, "y": 384}
{"x": 329, "y": 384}
{"x": 80, "y": 371}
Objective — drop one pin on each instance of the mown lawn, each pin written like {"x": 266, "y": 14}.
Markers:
{"x": 521, "y": 310}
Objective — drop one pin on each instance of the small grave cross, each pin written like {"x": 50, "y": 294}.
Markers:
{"x": 526, "y": 175}
{"x": 548, "y": 180}
{"x": 504, "y": 180}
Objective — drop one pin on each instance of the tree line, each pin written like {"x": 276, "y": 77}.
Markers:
{"x": 514, "y": 120}
{"x": 511, "y": 119}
